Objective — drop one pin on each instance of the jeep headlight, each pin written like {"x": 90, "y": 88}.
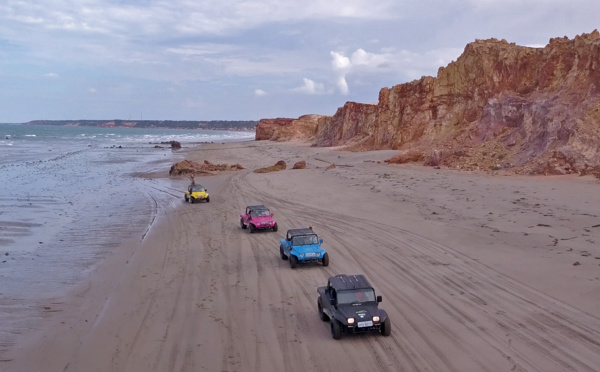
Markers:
{"x": 375, "y": 318}
{"x": 350, "y": 320}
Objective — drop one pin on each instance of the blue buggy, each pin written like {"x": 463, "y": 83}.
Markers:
{"x": 302, "y": 245}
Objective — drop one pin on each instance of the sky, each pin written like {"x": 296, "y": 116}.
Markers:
{"x": 245, "y": 59}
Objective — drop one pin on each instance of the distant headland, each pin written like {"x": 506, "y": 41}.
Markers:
{"x": 235, "y": 125}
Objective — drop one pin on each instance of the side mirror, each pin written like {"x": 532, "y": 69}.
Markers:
{"x": 379, "y": 298}
{"x": 321, "y": 241}
{"x": 271, "y": 215}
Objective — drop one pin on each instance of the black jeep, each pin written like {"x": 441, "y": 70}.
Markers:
{"x": 350, "y": 303}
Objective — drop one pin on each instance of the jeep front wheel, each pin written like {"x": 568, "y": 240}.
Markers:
{"x": 293, "y": 261}
{"x": 252, "y": 228}
{"x": 322, "y": 315}
{"x": 283, "y": 256}
{"x": 275, "y": 227}
{"x": 208, "y": 199}
{"x": 386, "y": 327}
{"x": 185, "y": 197}
{"x": 336, "y": 329}
{"x": 326, "y": 259}
{"x": 242, "y": 223}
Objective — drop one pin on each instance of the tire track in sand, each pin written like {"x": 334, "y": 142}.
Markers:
{"x": 486, "y": 315}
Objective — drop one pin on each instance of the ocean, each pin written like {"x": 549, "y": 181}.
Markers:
{"x": 70, "y": 195}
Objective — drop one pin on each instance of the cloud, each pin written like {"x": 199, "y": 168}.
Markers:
{"x": 222, "y": 51}
{"x": 92, "y": 90}
{"x": 201, "y": 17}
{"x": 310, "y": 87}
{"x": 340, "y": 62}
{"x": 399, "y": 65}
{"x": 341, "y": 66}
{"x": 362, "y": 58}
{"x": 343, "y": 85}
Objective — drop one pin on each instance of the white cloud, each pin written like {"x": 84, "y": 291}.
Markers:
{"x": 92, "y": 90}
{"x": 201, "y": 17}
{"x": 341, "y": 66}
{"x": 221, "y": 51}
{"x": 310, "y": 87}
{"x": 360, "y": 57}
{"x": 340, "y": 61}
{"x": 343, "y": 85}
{"x": 399, "y": 65}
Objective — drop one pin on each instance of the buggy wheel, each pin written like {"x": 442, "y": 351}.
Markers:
{"x": 275, "y": 227}
{"x": 386, "y": 327}
{"x": 322, "y": 315}
{"x": 283, "y": 256}
{"x": 293, "y": 261}
{"x": 326, "y": 259}
{"x": 242, "y": 224}
{"x": 336, "y": 329}
{"x": 208, "y": 199}
{"x": 252, "y": 228}
{"x": 192, "y": 200}
{"x": 185, "y": 197}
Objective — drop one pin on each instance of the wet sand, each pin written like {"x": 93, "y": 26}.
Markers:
{"x": 477, "y": 272}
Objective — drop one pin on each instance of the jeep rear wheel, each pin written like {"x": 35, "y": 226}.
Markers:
{"x": 293, "y": 261}
{"x": 322, "y": 315}
{"x": 386, "y": 327}
{"x": 283, "y": 256}
{"x": 325, "y": 259}
{"x": 336, "y": 329}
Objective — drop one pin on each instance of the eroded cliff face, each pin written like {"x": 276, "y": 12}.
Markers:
{"x": 498, "y": 106}
{"x": 286, "y": 129}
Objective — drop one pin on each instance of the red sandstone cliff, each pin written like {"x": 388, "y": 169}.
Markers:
{"x": 286, "y": 129}
{"x": 499, "y": 106}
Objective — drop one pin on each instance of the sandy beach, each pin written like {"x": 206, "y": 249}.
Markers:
{"x": 478, "y": 272}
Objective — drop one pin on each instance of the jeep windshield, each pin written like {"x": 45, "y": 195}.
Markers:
{"x": 260, "y": 213}
{"x": 352, "y": 296}
{"x": 304, "y": 240}
{"x": 197, "y": 188}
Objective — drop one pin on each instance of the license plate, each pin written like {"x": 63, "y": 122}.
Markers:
{"x": 311, "y": 254}
{"x": 368, "y": 323}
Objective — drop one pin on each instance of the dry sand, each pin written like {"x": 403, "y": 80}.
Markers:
{"x": 477, "y": 272}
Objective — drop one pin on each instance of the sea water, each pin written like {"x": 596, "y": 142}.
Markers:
{"x": 69, "y": 195}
